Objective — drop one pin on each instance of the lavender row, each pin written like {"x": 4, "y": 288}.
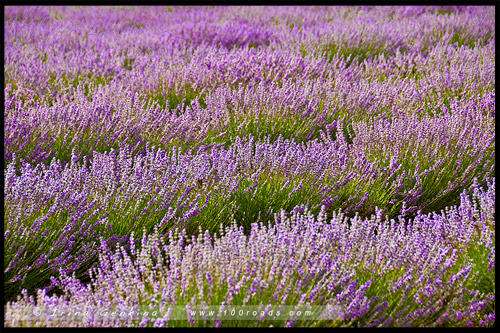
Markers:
{"x": 420, "y": 272}
{"x": 379, "y": 148}
{"x": 295, "y": 108}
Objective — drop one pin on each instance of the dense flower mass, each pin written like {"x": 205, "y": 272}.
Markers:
{"x": 270, "y": 156}
{"x": 355, "y": 263}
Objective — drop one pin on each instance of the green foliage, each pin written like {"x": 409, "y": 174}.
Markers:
{"x": 54, "y": 226}
{"x": 171, "y": 99}
{"x": 257, "y": 200}
{"x": 356, "y": 54}
{"x": 128, "y": 63}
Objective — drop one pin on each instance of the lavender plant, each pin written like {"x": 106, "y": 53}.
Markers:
{"x": 383, "y": 273}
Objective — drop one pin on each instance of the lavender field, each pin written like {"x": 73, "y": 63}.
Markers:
{"x": 177, "y": 159}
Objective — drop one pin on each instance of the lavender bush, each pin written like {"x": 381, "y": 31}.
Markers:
{"x": 421, "y": 272}
{"x": 231, "y": 137}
